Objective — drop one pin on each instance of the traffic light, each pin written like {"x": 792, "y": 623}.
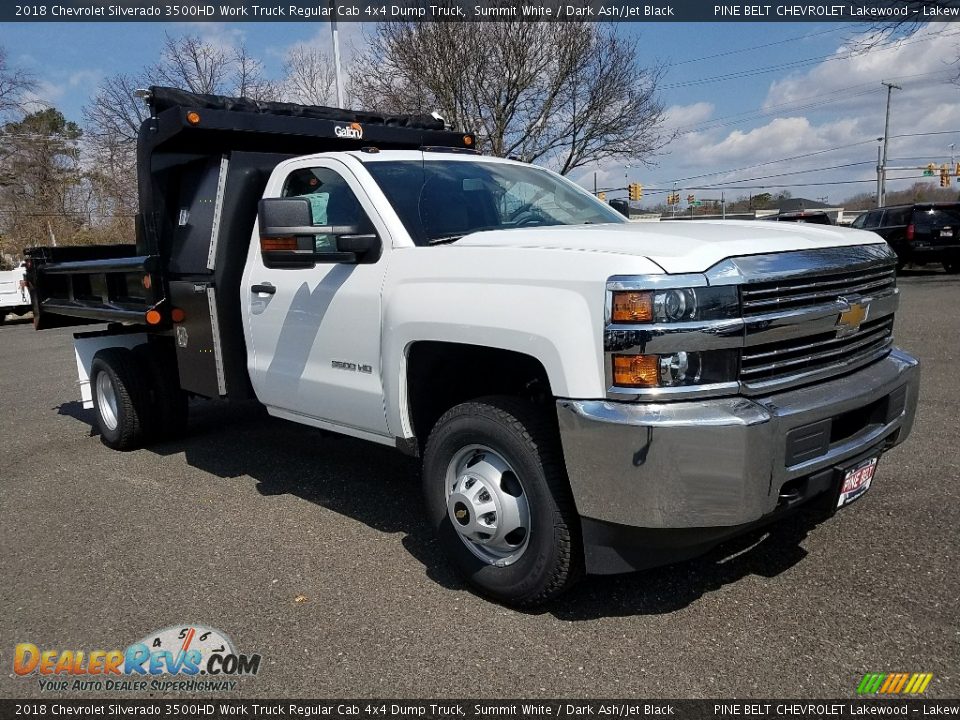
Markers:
{"x": 957, "y": 172}
{"x": 635, "y": 191}
{"x": 673, "y": 198}
{"x": 602, "y": 196}
{"x": 944, "y": 176}
{"x": 931, "y": 170}
{"x": 691, "y": 199}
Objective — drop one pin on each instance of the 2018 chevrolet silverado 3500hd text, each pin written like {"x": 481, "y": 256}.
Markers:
{"x": 586, "y": 394}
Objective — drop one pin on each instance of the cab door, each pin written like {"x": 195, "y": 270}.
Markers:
{"x": 313, "y": 333}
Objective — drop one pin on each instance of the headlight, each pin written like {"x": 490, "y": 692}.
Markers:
{"x": 675, "y": 369}
{"x": 674, "y": 305}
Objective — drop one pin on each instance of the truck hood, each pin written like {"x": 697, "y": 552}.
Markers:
{"x": 677, "y": 246}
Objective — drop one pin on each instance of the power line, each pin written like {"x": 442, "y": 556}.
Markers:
{"x": 773, "y": 162}
{"x": 806, "y": 155}
{"x": 803, "y": 62}
{"x": 844, "y": 93}
{"x": 715, "y": 186}
{"x": 925, "y": 134}
{"x": 773, "y": 110}
{"x": 760, "y": 47}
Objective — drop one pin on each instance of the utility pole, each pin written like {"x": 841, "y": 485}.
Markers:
{"x": 336, "y": 53}
{"x": 886, "y": 140}
{"x": 879, "y": 172}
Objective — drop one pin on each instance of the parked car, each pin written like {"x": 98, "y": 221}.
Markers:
{"x": 918, "y": 233}
{"x": 816, "y": 217}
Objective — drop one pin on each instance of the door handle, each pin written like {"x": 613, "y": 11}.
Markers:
{"x": 265, "y": 289}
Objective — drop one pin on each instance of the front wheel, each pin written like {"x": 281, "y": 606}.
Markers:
{"x": 497, "y": 494}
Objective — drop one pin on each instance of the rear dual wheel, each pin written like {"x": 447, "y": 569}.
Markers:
{"x": 136, "y": 399}
{"x": 497, "y": 495}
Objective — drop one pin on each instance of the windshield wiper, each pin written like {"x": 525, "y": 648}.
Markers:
{"x": 453, "y": 238}
{"x": 444, "y": 239}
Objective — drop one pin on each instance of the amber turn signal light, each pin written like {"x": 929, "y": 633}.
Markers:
{"x": 153, "y": 317}
{"x": 632, "y": 307}
{"x": 278, "y": 243}
{"x": 193, "y": 117}
{"x": 639, "y": 371}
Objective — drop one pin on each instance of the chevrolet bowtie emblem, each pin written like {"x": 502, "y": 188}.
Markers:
{"x": 850, "y": 319}
{"x": 461, "y": 514}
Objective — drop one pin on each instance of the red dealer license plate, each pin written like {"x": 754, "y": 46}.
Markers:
{"x": 856, "y": 481}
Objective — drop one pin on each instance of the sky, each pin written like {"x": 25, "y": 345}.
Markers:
{"x": 757, "y": 107}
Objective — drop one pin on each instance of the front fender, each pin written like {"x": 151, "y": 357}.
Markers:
{"x": 545, "y": 304}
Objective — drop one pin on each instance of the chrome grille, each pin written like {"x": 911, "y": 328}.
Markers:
{"x": 773, "y": 362}
{"x": 760, "y": 298}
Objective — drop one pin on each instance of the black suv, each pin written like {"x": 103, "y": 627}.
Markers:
{"x": 921, "y": 233}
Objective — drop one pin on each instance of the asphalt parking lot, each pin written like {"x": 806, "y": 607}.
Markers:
{"x": 310, "y": 550}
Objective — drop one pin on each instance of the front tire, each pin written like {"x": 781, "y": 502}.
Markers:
{"x": 497, "y": 495}
{"x": 120, "y": 398}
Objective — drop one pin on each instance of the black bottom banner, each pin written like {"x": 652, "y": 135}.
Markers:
{"x": 481, "y": 709}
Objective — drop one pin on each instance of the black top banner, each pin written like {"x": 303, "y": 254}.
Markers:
{"x": 867, "y": 11}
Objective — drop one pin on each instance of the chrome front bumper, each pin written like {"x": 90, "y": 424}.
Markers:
{"x": 724, "y": 462}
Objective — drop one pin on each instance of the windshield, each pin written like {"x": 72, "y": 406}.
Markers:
{"x": 441, "y": 201}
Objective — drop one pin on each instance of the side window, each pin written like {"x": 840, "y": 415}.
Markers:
{"x": 895, "y": 218}
{"x": 859, "y": 221}
{"x": 873, "y": 219}
{"x": 331, "y": 201}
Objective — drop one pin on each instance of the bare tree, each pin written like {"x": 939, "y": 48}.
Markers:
{"x": 112, "y": 119}
{"x": 114, "y": 114}
{"x": 40, "y": 180}
{"x": 308, "y": 76}
{"x": 565, "y": 94}
{"x": 190, "y": 63}
{"x": 201, "y": 66}
{"x": 14, "y": 84}
{"x": 249, "y": 79}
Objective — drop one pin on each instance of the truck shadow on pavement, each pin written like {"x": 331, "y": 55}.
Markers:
{"x": 379, "y": 487}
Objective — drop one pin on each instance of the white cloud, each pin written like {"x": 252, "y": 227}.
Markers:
{"x": 836, "y": 109}
{"x": 44, "y": 95}
{"x": 678, "y": 116}
{"x": 926, "y": 57}
{"x": 218, "y": 34}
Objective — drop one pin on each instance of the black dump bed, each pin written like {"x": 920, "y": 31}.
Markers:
{"x": 202, "y": 164}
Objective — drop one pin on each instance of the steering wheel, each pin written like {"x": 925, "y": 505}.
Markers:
{"x": 527, "y": 216}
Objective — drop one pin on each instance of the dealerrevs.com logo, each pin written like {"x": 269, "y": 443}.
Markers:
{"x": 184, "y": 658}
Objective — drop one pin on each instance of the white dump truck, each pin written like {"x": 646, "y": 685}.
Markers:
{"x": 14, "y": 295}
{"x": 587, "y": 395}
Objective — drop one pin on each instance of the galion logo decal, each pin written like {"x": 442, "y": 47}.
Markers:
{"x": 353, "y": 131}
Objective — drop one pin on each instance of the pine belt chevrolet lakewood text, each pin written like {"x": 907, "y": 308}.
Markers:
{"x": 586, "y": 394}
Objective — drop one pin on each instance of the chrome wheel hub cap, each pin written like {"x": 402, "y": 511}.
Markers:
{"x": 487, "y": 505}
{"x": 107, "y": 401}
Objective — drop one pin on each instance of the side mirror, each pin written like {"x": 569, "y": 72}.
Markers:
{"x": 287, "y": 237}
